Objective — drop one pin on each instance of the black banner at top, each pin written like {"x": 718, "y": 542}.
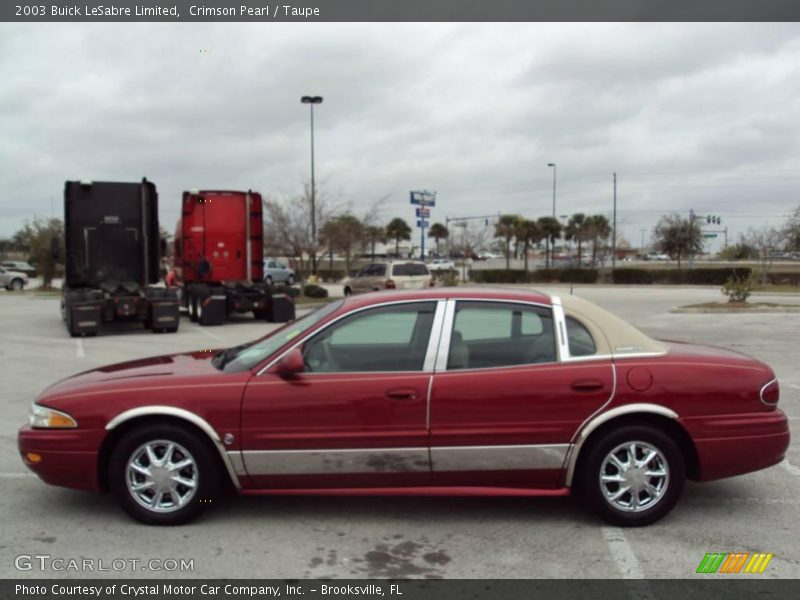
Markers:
{"x": 397, "y": 10}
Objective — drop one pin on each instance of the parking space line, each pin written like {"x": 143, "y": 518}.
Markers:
{"x": 209, "y": 334}
{"x": 79, "y": 352}
{"x": 622, "y": 553}
{"x": 790, "y": 467}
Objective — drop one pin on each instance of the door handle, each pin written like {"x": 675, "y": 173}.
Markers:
{"x": 401, "y": 394}
{"x": 587, "y": 385}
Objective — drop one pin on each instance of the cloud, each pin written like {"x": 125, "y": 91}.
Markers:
{"x": 699, "y": 116}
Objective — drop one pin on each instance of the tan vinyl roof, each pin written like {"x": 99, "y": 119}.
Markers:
{"x": 620, "y": 337}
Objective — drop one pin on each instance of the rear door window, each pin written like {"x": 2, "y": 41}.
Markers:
{"x": 409, "y": 270}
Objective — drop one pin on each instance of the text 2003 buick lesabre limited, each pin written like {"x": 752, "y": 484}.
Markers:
{"x": 430, "y": 392}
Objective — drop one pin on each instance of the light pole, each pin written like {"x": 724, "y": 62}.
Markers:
{"x": 311, "y": 101}
{"x": 554, "y": 187}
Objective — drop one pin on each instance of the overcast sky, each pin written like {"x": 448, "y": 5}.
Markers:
{"x": 703, "y": 116}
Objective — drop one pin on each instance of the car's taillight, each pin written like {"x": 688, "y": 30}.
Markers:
{"x": 770, "y": 393}
{"x": 389, "y": 285}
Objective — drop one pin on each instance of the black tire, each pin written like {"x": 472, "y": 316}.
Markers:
{"x": 260, "y": 314}
{"x": 597, "y": 463}
{"x": 193, "y": 308}
{"x": 204, "y": 471}
{"x": 16, "y": 284}
{"x": 268, "y": 280}
{"x": 348, "y": 291}
{"x": 290, "y": 280}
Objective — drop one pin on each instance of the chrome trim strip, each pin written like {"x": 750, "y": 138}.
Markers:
{"x": 428, "y": 404}
{"x": 444, "y": 340}
{"x": 498, "y": 458}
{"x": 336, "y": 461}
{"x": 595, "y": 422}
{"x": 302, "y": 340}
{"x": 180, "y": 413}
{"x": 560, "y": 327}
{"x": 235, "y": 457}
{"x": 764, "y": 387}
{"x": 435, "y": 335}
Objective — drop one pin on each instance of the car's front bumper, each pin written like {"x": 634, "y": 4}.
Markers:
{"x": 64, "y": 457}
{"x": 729, "y": 445}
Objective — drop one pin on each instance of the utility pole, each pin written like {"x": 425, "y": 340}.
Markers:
{"x": 642, "y": 246}
{"x": 614, "y": 229}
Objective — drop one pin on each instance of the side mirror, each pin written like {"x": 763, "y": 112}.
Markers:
{"x": 292, "y": 364}
{"x": 55, "y": 249}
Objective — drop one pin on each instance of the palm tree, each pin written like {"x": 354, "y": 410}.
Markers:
{"x": 597, "y": 229}
{"x": 577, "y": 230}
{"x": 373, "y": 235}
{"x": 528, "y": 231}
{"x": 438, "y": 232}
{"x": 506, "y": 228}
{"x": 551, "y": 231}
{"x": 397, "y": 230}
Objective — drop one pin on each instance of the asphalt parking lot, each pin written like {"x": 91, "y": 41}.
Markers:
{"x": 402, "y": 537}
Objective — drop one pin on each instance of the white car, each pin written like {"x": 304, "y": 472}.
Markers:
{"x": 12, "y": 280}
{"x": 489, "y": 255}
{"x": 441, "y": 264}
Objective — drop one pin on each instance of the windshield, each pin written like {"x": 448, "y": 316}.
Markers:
{"x": 247, "y": 356}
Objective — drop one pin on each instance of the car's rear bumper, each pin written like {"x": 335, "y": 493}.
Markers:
{"x": 66, "y": 457}
{"x": 730, "y": 445}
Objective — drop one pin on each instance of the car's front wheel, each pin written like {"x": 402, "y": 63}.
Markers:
{"x": 633, "y": 476}
{"x": 16, "y": 284}
{"x": 163, "y": 474}
{"x": 290, "y": 280}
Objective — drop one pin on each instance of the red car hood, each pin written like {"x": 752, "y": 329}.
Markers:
{"x": 141, "y": 372}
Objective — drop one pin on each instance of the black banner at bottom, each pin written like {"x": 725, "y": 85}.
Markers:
{"x": 737, "y": 587}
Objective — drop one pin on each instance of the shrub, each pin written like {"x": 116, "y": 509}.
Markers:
{"x": 709, "y": 276}
{"x": 738, "y": 288}
{"x": 632, "y": 276}
{"x": 538, "y": 276}
{"x": 330, "y": 275}
{"x": 315, "y": 291}
{"x": 447, "y": 278}
{"x": 784, "y": 278}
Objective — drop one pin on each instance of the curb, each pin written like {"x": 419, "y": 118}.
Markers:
{"x": 747, "y": 311}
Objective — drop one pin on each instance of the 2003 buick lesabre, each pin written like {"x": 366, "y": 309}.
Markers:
{"x": 430, "y": 392}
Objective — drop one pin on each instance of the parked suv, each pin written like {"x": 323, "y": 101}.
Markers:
{"x": 389, "y": 275}
{"x": 12, "y": 280}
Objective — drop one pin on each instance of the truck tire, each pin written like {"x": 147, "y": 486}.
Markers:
{"x": 193, "y": 307}
{"x": 260, "y": 314}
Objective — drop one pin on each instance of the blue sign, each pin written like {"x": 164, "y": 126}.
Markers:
{"x": 423, "y": 198}
{"x": 422, "y": 223}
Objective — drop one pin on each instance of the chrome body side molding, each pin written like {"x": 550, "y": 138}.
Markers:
{"x": 180, "y": 413}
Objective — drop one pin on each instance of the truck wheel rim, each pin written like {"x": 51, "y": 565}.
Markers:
{"x": 162, "y": 476}
{"x": 634, "y": 476}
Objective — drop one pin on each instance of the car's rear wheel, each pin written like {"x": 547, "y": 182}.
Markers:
{"x": 348, "y": 291}
{"x": 290, "y": 280}
{"x": 633, "y": 476}
{"x": 17, "y": 284}
{"x": 163, "y": 474}
{"x": 268, "y": 280}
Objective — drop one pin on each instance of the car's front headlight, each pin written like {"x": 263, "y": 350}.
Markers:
{"x": 43, "y": 417}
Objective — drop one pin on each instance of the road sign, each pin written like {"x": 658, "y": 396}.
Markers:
{"x": 423, "y": 212}
{"x": 423, "y": 198}
{"x": 709, "y": 235}
{"x": 422, "y": 223}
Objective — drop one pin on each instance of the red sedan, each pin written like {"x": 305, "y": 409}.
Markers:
{"x": 430, "y": 392}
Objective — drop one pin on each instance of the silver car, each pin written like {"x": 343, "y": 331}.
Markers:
{"x": 389, "y": 275}
{"x": 277, "y": 272}
{"x": 12, "y": 280}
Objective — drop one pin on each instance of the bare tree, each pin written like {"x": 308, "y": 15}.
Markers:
{"x": 767, "y": 241}
{"x": 791, "y": 231}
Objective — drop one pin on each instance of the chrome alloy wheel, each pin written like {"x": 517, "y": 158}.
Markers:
{"x": 634, "y": 476}
{"x": 161, "y": 476}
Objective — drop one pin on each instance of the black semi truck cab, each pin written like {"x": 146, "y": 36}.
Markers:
{"x": 113, "y": 248}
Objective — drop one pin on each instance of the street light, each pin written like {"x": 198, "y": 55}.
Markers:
{"x": 311, "y": 101}
{"x": 554, "y": 187}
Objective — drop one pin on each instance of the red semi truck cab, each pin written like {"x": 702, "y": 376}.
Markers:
{"x": 219, "y": 252}
{"x": 219, "y": 237}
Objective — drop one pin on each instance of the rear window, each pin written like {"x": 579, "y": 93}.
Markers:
{"x": 409, "y": 270}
